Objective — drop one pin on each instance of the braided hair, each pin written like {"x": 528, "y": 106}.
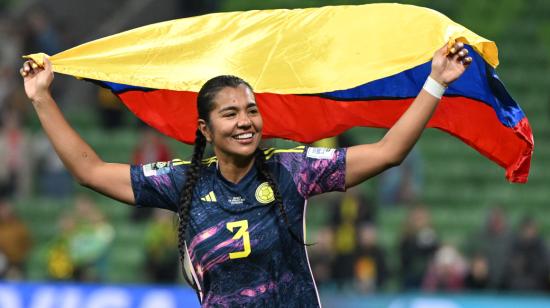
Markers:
{"x": 265, "y": 175}
{"x": 205, "y": 104}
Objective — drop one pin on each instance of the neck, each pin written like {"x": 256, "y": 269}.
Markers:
{"x": 234, "y": 169}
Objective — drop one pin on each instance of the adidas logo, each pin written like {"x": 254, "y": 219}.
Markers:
{"x": 210, "y": 197}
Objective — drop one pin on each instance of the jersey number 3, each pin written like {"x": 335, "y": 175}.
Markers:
{"x": 242, "y": 232}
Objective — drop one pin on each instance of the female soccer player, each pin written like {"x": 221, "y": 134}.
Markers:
{"x": 241, "y": 212}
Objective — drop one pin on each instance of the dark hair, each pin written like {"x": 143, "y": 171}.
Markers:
{"x": 206, "y": 95}
{"x": 265, "y": 175}
{"x": 205, "y": 104}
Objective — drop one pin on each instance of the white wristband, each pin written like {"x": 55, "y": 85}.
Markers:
{"x": 434, "y": 88}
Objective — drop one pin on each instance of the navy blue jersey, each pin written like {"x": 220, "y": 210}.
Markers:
{"x": 240, "y": 248}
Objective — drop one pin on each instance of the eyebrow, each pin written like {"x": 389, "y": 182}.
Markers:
{"x": 233, "y": 107}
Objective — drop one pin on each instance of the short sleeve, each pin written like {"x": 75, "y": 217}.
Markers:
{"x": 158, "y": 184}
{"x": 316, "y": 170}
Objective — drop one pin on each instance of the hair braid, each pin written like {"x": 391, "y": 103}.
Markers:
{"x": 266, "y": 175}
{"x": 186, "y": 195}
{"x": 205, "y": 104}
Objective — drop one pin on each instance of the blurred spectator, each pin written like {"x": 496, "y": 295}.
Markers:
{"x": 492, "y": 242}
{"x": 478, "y": 274}
{"x": 150, "y": 148}
{"x": 402, "y": 184}
{"x": 321, "y": 256}
{"x": 43, "y": 35}
{"x": 446, "y": 271}
{"x": 10, "y": 53}
{"x": 370, "y": 261}
{"x": 14, "y": 160}
{"x": 161, "y": 248}
{"x": 351, "y": 210}
{"x": 14, "y": 168}
{"x": 527, "y": 268}
{"x": 416, "y": 247}
{"x": 15, "y": 243}
{"x": 111, "y": 109}
{"x": 80, "y": 253}
{"x": 342, "y": 140}
{"x": 52, "y": 177}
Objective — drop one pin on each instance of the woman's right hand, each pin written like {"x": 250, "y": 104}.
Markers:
{"x": 37, "y": 79}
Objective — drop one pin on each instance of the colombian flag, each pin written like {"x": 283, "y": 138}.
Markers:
{"x": 316, "y": 72}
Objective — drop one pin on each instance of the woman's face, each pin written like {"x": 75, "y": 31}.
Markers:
{"x": 235, "y": 127}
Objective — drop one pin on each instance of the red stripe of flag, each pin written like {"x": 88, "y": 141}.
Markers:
{"x": 296, "y": 117}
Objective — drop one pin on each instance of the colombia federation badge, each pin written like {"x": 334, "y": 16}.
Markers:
{"x": 264, "y": 193}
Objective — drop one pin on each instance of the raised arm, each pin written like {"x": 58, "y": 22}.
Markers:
{"x": 367, "y": 160}
{"x": 79, "y": 158}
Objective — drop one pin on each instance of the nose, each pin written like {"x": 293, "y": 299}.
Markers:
{"x": 244, "y": 121}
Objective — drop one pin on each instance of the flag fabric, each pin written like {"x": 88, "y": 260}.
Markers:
{"x": 316, "y": 72}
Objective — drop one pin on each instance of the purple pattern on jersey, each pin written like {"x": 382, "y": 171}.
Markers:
{"x": 162, "y": 180}
{"x": 276, "y": 272}
{"x": 157, "y": 188}
{"x": 213, "y": 257}
{"x": 204, "y": 235}
{"x": 243, "y": 297}
{"x": 200, "y": 268}
{"x": 313, "y": 176}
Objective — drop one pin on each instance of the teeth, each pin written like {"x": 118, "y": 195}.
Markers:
{"x": 244, "y": 136}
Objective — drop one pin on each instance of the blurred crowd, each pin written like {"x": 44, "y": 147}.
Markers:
{"x": 497, "y": 257}
{"x": 347, "y": 253}
{"x": 22, "y": 154}
{"x": 79, "y": 249}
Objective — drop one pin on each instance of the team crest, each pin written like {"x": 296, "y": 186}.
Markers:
{"x": 264, "y": 193}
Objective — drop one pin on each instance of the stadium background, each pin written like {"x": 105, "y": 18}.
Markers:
{"x": 456, "y": 185}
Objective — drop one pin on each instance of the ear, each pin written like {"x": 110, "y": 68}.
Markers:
{"x": 205, "y": 130}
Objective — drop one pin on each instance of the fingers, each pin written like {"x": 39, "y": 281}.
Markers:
{"x": 29, "y": 68}
{"x": 459, "y": 53}
{"x": 26, "y": 69}
{"x": 456, "y": 48}
{"x": 47, "y": 65}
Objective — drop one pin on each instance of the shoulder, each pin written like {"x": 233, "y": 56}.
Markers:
{"x": 275, "y": 154}
{"x": 163, "y": 167}
{"x": 209, "y": 162}
{"x": 303, "y": 153}
{"x": 175, "y": 165}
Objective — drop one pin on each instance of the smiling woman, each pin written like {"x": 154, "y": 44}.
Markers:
{"x": 241, "y": 213}
{"x": 233, "y": 125}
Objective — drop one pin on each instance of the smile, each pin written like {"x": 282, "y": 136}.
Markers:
{"x": 244, "y": 136}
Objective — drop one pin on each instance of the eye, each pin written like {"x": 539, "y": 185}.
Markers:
{"x": 253, "y": 110}
{"x": 229, "y": 114}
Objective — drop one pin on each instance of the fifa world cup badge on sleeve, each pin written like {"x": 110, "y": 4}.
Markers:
{"x": 155, "y": 169}
{"x": 320, "y": 153}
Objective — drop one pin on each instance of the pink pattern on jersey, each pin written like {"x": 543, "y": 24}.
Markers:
{"x": 204, "y": 235}
{"x": 243, "y": 296}
{"x": 313, "y": 176}
{"x": 162, "y": 181}
{"x": 235, "y": 245}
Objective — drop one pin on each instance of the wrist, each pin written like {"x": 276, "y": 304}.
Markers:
{"x": 41, "y": 98}
{"x": 439, "y": 80}
{"x": 434, "y": 87}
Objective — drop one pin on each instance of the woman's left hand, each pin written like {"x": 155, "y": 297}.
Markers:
{"x": 449, "y": 63}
